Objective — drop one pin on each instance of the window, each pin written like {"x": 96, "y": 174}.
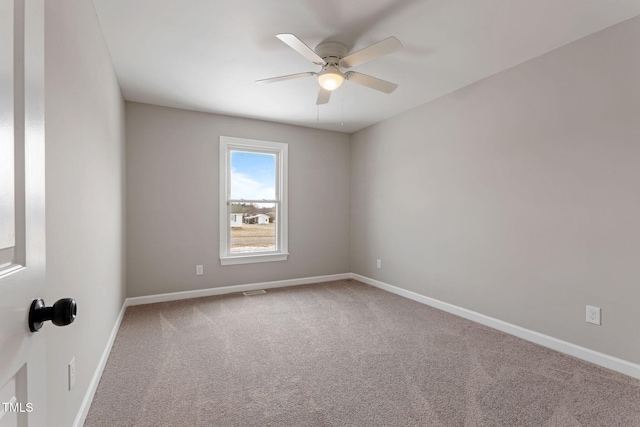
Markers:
{"x": 253, "y": 201}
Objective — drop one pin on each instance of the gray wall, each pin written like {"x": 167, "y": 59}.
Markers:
{"x": 522, "y": 191}
{"x": 85, "y": 197}
{"x": 172, "y": 200}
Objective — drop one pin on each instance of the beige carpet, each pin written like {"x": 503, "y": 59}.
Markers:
{"x": 342, "y": 354}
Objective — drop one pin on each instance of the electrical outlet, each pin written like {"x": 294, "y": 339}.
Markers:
{"x": 199, "y": 270}
{"x": 72, "y": 372}
{"x": 379, "y": 263}
{"x": 593, "y": 315}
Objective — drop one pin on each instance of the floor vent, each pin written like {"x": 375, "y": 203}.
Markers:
{"x": 258, "y": 292}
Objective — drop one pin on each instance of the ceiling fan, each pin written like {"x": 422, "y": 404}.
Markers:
{"x": 332, "y": 56}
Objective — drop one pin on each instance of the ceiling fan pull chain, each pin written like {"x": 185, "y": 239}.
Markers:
{"x": 342, "y": 102}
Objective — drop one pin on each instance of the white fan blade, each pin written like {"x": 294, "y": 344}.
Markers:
{"x": 323, "y": 96}
{"x": 283, "y": 78}
{"x": 298, "y": 45}
{"x": 385, "y": 47}
{"x": 371, "y": 82}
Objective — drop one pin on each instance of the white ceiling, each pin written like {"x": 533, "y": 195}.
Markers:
{"x": 205, "y": 55}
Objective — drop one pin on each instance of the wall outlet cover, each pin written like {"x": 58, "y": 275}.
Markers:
{"x": 593, "y": 315}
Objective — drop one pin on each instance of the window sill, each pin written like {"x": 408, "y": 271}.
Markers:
{"x": 250, "y": 259}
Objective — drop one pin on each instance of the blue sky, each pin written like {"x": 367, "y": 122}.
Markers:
{"x": 253, "y": 175}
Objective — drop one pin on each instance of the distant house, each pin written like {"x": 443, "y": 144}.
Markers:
{"x": 236, "y": 220}
{"x": 257, "y": 219}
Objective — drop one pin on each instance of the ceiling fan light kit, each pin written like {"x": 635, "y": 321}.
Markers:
{"x": 332, "y": 56}
{"x": 330, "y": 77}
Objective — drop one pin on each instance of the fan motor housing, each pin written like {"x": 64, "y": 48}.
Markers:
{"x": 332, "y": 52}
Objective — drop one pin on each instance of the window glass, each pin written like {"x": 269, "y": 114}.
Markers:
{"x": 253, "y": 175}
{"x": 257, "y": 233}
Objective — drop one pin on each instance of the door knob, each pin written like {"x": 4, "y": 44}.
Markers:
{"x": 62, "y": 313}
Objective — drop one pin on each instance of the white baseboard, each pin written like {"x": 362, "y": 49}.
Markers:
{"x": 174, "y": 296}
{"x": 93, "y": 385}
{"x": 601, "y": 359}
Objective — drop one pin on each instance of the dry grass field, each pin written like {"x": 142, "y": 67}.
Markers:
{"x": 253, "y": 236}
{"x": 254, "y": 230}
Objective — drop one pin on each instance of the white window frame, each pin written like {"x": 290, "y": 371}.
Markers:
{"x": 280, "y": 149}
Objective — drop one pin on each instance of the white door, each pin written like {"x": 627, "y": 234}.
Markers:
{"x": 22, "y": 244}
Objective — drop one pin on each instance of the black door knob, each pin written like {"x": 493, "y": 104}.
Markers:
{"x": 62, "y": 313}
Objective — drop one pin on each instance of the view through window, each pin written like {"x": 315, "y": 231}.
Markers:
{"x": 254, "y": 208}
